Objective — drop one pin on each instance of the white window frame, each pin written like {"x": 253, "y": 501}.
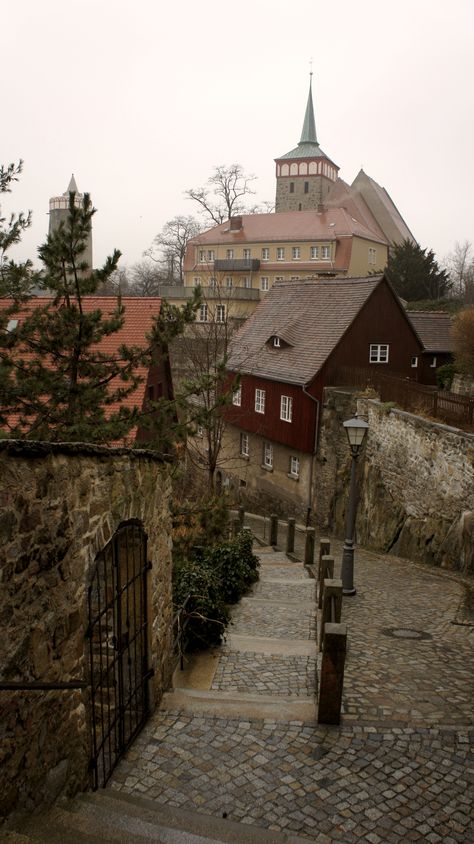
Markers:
{"x": 264, "y": 283}
{"x": 247, "y": 282}
{"x": 259, "y": 400}
{"x": 279, "y": 278}
{"x": 247, "y": 253}
{"x": 237, "y": 397}
{"x": 210, "y": 255}
{"x": 229, "y": 281}
{"x": 325, "y": 253}
{"x": 200, "y": 431}
{"x": 296, "y": 253}
{"x": 220, "y": 313}
{"x": 286, "y": 408}
{"x": 433, "y": 362}
{"x": 294, "y": 466}
{"x": 314, "y": 253}
{"x": 276, "y": 342}
{"x": 212, "y": 281}
{"x": 414, "y": 361}
{"x": 280, "y": 253}
{"x": 203, "y": 312}
{"x": 244, "y": 444}
{"x": 379, "y": 352}
{"x": 230, "y": 254}
{"x": 268, "y": 455}
{"x": 372, "y": 255}
{"x": 12, "y": 324}
{"x": 265, "y": 253}
{"x": 202, "y": 256}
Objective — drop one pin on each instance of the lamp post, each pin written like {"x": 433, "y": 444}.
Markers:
{"x": 356, "y": 430}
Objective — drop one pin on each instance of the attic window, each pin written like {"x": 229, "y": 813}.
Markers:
{"x": 12, "y": 324}
{"x": 276, "y": 342}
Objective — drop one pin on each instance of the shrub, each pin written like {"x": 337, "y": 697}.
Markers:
{"x": 445, "y": 375}
{"x": 236, "y": 565}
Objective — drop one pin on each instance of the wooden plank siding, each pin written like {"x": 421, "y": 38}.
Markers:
{"x": 299, "y": 433}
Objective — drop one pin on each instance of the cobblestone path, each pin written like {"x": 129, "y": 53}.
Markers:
{"x": 399, "y": 768}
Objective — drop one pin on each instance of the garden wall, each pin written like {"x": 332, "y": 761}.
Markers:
{"x": 60, "y": 505}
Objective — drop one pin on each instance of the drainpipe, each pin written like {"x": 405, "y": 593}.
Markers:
{"x": 315, "y": 448}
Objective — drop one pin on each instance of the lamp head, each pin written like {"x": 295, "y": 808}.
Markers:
{"x": 356, "y": 430}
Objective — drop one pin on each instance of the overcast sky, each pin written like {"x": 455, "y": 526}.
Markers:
{"x": 140, "y": 100}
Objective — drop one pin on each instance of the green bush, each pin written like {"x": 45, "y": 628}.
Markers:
{"x": 445, "y": 375}
{"x": 214, "y": 577}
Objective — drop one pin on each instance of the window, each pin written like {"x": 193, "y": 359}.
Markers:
{"x": 378, "y": 353}
{"x": 11, "y": 325}
{"x": 294, "y": 278}
{"x": 210, "y": 254}
{"x": 264, "y": 283}
{"x": 202, "y": 256}
{"x": 325, "y": 252}
{"x": 414, "y": 362}
{"x": 237, "y": 397}
{"x": 306, "y": 187}
{"x": 276, "y": 342}
{"x": 372, "y": 255}
{"x": 265, "y": 254}
{"x": 314, "y": 253}
{"x": 230, "y": 254}
{"x": 247, "y": 254}
{"x": 220, "y": 313}
{"x": 197, "y": 281}
{"x": 228, "y": 281}
{"x": 433, "y": 361}
{"x": 281, "y": 253}
{"x": 203, "y": 313}
{"x": 268, "y": 455}
{"x": 292, "y": 187}
{"x": 286, "y": 408}
{"x": 151, "y": 392}
{"x": 294, "y": 467}
{"x": 259, "y": 401}
{"x": 278, "y": 278}
{"x": 246, "y": 281}
{"x": 296, "y": 253}
{"x": 212, "y": 281}
{"x": 244, "y": 445}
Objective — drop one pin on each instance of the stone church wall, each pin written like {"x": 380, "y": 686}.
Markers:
{"x": 60, "y": 505}
{"x": 416, "y": 482}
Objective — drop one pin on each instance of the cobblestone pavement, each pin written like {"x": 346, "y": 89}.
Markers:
{"x": 265, "y": 674}
{"x": 400, "y": 768}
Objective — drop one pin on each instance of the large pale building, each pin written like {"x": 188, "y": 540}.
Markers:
{"x": 322, "y": 228}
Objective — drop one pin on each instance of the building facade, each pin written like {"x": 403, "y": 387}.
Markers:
{"x": 58, "y": 213}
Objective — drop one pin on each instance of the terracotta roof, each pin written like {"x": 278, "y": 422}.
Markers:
{"x": 315, "y": 314}
{"x": 139, "y": 312}
{"x": 289, "y": 226}
{"x": 433, "y": 329}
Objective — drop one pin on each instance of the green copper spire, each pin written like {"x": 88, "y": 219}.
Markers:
{"x": 308, "y": 135}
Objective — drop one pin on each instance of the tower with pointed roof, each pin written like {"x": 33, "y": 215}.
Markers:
{"x": 306, "y": 174}
{"x": 58, "y": 212}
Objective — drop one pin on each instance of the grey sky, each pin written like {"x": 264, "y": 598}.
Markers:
{"x": 141, "y": 99}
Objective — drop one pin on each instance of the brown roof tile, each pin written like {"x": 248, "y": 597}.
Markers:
{"x": 314, "y": 314}
{"x": 433, "y": 329}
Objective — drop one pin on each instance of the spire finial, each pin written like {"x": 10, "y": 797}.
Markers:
{"x": 308, "y": 135}
{"x": 310, "y": 69}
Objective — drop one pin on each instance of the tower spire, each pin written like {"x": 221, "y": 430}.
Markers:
{"x": 308, "y": 134}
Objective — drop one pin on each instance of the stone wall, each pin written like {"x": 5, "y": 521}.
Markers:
{"x": 416, "y": 482}
{"x": 60, "y": 505}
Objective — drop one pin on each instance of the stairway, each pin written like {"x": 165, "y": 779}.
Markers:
{"x": 109, "y": 816}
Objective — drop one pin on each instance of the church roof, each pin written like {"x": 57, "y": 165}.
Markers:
{"x": 308, "y": 146}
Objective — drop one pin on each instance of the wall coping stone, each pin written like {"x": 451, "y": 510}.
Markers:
{"x": 419, "y": 420}
{"x": 39, "y": 448}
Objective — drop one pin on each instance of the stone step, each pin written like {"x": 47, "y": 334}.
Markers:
{"x": 241, "y": 705}
{"x": 111, "y": 816}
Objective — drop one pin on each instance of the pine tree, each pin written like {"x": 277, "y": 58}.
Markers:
{"x": 65, "y": 383}
{"x": 415, "y": 274}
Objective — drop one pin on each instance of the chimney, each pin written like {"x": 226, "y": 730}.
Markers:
{"x": 235, "y": 223}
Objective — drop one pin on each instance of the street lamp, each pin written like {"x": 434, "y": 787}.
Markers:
{"x": 356, "y": 430}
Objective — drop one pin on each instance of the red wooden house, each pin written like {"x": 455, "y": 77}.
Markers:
{"x": 293, "y": 346}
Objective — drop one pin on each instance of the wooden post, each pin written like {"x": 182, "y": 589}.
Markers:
{"x": 326, "y": 570}
{"x": 309, "y": 547}
{"x": 331, "y": 589}
{"x": 241, "y": 517}
{"x": 273, "y": 529}
{"x": 332, "y": 674}
{"x": 324, "y": 551}
{"x": 290, "y": 537}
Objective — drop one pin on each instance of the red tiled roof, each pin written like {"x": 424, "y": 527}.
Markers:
{"x": 311, "y": 315}
{"x": 433, "y": 329}
{"x": 138, "y": 315}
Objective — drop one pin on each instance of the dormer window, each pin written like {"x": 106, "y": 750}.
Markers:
{"x": 12, "y": 324}
{"x": 276, "y": 342}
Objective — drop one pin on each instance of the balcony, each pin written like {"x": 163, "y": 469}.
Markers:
{"x": 237, "y": 265}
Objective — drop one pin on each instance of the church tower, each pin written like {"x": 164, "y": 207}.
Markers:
{"x": 304, "y": 175}
{"x": 58, "y": 213}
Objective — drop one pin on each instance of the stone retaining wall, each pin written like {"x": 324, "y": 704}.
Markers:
{"x": 60, "y": 505}
{"x": 416, "y": 482}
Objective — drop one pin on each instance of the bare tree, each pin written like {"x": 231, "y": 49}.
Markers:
{"x": 463, "y": 333}
{"x": 146, "y": 279}
{"x": 221, "y": 197}
{"x": 460, "y": 266}
{"x": 169, "y": 247}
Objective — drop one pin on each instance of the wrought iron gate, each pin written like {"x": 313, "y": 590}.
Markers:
{"x": 117, "y": 632}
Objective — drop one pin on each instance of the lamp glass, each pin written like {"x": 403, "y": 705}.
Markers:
{"x": 356, "y": 430}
